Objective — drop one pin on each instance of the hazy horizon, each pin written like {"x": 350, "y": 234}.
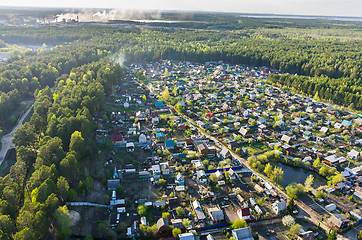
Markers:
{"x": 348, "y": 8}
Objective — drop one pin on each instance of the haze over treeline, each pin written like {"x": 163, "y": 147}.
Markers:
{"x": 70, "y": 69}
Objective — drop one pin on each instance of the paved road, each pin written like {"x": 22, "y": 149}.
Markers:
{"x": 6, "y": 141}
{"x": 313, "y": 216}
{"x": 352, "y": 234}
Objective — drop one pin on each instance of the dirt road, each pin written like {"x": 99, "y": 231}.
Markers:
{"x": 311, "y": 214}
{"x": 6, "y": 141}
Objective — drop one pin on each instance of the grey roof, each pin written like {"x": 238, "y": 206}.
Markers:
{"x": 201, "y": 173}
{"x": 209, "y": 237}
{"x": 113, "y": 183}
{"x": 177, "y": 223}
{"x": 286, "y": 138}
{"x": 200, "y": 214}
{"x": 242, "y": 234}
{"x": 202, "y": 147}
{"x": 186, "y": 236}
{"x": 224, "y": 152}
{"x": 243, "y": 131}
{"x": 198, "y": 210}
{"x": 196, "y": 204}
{"x": 338, "y": 220}
{"x": 217, "y": 214}
{"x": 280, "y": 206}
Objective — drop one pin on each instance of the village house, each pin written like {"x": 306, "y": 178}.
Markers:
{"x": 186, "y": 236}
{"x": 179, "y": 181}
{"x": 177, "y": 223}
{"x": 202, "y": 148}
{"x": 232, "y": 144}
{"x": 219, "y": 175}
{"x": 338, "y": 221}
{"x": 160, "y": 137}
{"x": 244, "y": 213}
{"x": 216, "y": 214}
{"x": 346, "y": 123}
{"x": 170, "y": 144}
{"x": 156, "y": 171}
{"x": 225, "y": 153}
{"x": 155, "y": 121}
{"x": 173, "y": 203}
{"x": 113, "y": 183}
{"x": 358, "y": 192}
{"x": 142, "y": 138}
{"x": 331, "y": 160}
{"x": 243, "y": 131}
{"x": 201, "y": 177}
{"x": 130, "y": 147}
{"x": 279, "y": 206}
{"x": 159, "y": 104}
{"x": 165, "y": 168}
{"x": 162, "y": 225}
{"x": 285, "y": 138}
{"x": 287, "y": 149}
{"x": 337, "y": 125}
{"x": 354, "y": 154}
{"x": 308, "y": 235}
{"x": 324, "y": 130}
{"x": 232, "y": 174}
{"x": 198, "y": 211}
{"x": 242, "y": 234}
{"x": 307, "y": 135}
{"x": 210, "y": 237}
{"x": 198, "y": 164}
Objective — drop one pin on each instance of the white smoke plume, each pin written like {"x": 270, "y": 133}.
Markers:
{"x": 106, "y": 15}
{"x": 119, "y": 58}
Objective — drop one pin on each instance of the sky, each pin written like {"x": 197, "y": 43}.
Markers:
{"x": 351, "y": 8}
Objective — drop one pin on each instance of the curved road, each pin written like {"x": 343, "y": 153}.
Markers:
{"x": 312, "y": 215}
{"x": 6, "y": 141}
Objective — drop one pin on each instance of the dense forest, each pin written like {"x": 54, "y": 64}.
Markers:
{"x": 24, "y": 73}
{"x": 342, "y": 91}
{"x": 330, "y": 52}
{"x": 53, "y": 154}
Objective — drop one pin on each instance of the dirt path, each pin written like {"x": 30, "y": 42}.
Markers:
{"x": 6, "y": 141}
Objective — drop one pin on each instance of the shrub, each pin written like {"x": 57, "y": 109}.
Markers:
{"x": 288, "y": 221}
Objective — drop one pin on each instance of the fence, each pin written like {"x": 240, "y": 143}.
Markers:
{"x": 222, "y": 169}
{"x": 88, "y": 204}
{"x": 213, "y": 226}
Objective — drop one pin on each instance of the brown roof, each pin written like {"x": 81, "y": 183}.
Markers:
{"x": 189, "y": 141}
{"x": 338, "y": 220}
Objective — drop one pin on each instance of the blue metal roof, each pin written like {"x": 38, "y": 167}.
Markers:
{"x": 159, "y": 104}
{"x": 160, "y": 135}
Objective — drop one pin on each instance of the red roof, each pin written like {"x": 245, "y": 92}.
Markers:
{"x": 183, "y": 126}
{"x": 154, "y": 114}
{"x": 117, "y": 137}
{"x": 245, "y": 212}
{"x": 189, "y": 142}
{"x": 209, "y": 114}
